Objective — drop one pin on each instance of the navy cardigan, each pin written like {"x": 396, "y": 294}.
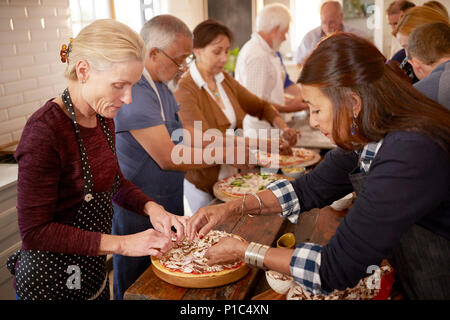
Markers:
{"x": 408, "y": 183}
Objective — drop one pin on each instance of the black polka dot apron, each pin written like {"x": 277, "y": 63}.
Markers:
{"x": 47, "y": 275}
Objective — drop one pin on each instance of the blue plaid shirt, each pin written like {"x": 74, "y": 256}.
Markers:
{"x": 367, "y": 154}
{"x": 305, "y": 262}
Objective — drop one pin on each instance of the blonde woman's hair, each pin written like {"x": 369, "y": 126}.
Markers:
{"x": 436, "y": 5}
{"x": 417, "y": 16}
{"x": 102, "y": 43}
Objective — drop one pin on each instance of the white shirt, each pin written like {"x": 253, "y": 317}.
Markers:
{"x": 259, "y": 69}
{"x": 313, "y": 37}
{"x": 225, "y": 170}
{"x": 201, "y": 83}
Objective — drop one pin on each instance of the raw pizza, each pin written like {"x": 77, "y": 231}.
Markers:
{"x": 185, "y": 265}
{"x": 239, "y": 184}
{"x": 367, "y": 288}
{"x": 299, "y": 156}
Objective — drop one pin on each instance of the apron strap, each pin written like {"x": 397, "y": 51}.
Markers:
{"x": 87, "y": 174}
{"x": 107, "y": 132}
{"x": 148, "y": 77}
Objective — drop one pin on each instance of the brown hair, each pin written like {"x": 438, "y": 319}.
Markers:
{"x": 430, "y": 42}
{"x": 436, "y": 5}
{"x": 208, "y": 30}
{"x": 418, "y": 16}
{"x": 344, "y": 64}
{"x": 399, "y": 6}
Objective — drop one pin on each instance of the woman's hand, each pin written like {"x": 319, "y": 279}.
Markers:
{"x": 163, "y": 221}
{"x": 290, "y": 135}
{"x": 227, "y": 250}
{"x": 146, "y": 243}
{"x": 208, "y": 217}
{"x": 285, "y": 148}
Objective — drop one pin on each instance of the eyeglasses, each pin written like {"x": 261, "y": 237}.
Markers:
{"x": 181, "y": 67}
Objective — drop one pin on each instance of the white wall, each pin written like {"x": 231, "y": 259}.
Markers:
{"x": 192, "y": 12}
{"x": 30, "y": 67}
{"x": 31, "y": 35}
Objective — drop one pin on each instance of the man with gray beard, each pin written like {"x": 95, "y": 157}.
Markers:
{"x": 260, "y": 69}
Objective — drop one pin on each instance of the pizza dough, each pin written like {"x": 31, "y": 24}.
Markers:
{"x": 235, "y": 186}
{"x": 300, "y": 156}
{"x": 185, "y": 264}
{"x": 366, "y": 289}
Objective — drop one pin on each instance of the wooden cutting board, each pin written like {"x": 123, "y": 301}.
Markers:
{"x": 269, "y": 295}
{"x": 203, "y": 281}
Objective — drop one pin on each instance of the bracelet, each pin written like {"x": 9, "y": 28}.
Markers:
{"x": 242, "y": 206}
{"x": 261, "y": 255}
{"x": 255, "y": 253}
{"x": 259, "y": 202}
{"x": 248, "y": 258}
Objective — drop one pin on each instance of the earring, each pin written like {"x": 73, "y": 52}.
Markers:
{"x": 353, "y": 127}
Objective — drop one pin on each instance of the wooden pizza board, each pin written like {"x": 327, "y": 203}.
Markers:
{"x": 225, "y": 197}
{"x": 269, "y": 295}
{"x": 206, "y": 280}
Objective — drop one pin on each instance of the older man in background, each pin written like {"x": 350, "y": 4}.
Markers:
{"x": 429, "y": 55}
{"x": 260, "y": 68}
{"x": 332, "y": 20}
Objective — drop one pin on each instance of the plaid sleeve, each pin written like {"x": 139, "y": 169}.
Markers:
{"x": 304, "y": 266}
{"x": 284, "y": 191}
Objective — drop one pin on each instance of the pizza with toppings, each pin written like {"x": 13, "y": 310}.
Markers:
{"x": 299, "y": 156}
{"x": 235, "y": 186}
{"x": 185, "y": 264}
{"x": 376, "y": 286}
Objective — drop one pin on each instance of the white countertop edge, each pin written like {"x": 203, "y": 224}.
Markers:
{"x": 8, "y": 175}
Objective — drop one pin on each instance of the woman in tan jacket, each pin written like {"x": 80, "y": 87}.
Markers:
{"x": 214, "y": 99}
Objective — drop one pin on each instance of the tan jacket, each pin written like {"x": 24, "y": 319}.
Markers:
{"x": 197, "y": 105}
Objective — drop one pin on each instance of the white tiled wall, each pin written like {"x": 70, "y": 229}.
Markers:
{"x": 31, "y": 35}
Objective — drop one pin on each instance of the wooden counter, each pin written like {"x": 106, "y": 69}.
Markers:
{"x": 316, "y": 226}
{"x": 261, "y": 229}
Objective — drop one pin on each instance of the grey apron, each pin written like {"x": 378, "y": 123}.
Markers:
{"x": 421, "y": 260}
{"x": 44, "y": 275}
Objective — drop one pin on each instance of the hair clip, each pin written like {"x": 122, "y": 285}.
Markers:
{"x": 65, "y": 51}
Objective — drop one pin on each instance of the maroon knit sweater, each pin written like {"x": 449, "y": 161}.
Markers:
{"x": 50, "y": 182}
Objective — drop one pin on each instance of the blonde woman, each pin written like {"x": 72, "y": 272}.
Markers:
{"x": 69, "y": 175}
{"x": 413, "y": 18}
{"x": 437, "y": 6}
